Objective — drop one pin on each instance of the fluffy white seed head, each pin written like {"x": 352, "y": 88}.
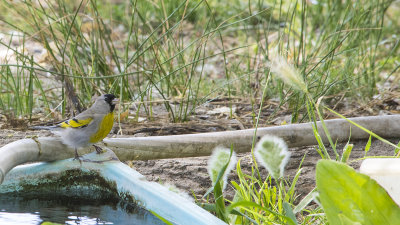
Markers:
{"x": 272, "y": 152}
{"x": 217, "y": 161}
{"x": 287, "y": 73}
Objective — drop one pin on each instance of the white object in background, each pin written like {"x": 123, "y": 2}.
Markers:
{"x": 386, "y": 171}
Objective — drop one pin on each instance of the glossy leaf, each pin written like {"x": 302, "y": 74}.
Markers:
{"x": 349, "y": 197}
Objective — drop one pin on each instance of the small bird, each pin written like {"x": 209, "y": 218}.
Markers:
{"x": 88, "y": 127}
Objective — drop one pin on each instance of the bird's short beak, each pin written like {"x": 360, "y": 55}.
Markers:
{"x": 115, "y": 101}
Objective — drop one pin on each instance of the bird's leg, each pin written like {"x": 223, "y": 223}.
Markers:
{"x": 76, "y": 155}
{"x": 99, "y": 150}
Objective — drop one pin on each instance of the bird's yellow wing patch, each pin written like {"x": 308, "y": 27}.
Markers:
{"x": 75, "y": 123}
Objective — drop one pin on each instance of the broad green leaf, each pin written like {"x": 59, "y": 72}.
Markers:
{"x": 344, "y": 220}
{"x": 349, "y": 197}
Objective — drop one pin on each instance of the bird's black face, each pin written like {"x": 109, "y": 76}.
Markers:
{"x": 109, "y": 99}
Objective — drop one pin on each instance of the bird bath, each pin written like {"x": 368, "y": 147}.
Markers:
{"x": 98, "y": 178}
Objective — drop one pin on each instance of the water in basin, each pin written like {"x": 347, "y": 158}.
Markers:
{"x": 33, "y": 210}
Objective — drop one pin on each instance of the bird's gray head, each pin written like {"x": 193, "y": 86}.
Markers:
{"x": 108, "y": 99}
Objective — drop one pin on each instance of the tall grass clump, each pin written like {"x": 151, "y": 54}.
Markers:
{"x": 186, "y": 53}
{"x": 19, "y": 88}
{"x": 337, "y": 48}
{"x": 141, "y": 51}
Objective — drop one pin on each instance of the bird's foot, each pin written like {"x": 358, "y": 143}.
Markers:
{"x": 77, "y": 157}
{"x": 99, "y": 150}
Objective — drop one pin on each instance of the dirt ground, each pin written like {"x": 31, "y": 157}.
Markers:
{"x": 190, "y": 174}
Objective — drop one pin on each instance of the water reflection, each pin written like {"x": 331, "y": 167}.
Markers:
{"x": 19, "y": 218}
{"x": 33, "y": 211}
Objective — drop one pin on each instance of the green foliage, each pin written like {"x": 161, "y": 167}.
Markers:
{"x": 349, "y": 197}
{"x": 261, "y": 201}
{"x": 256, "y": 200}
{"x": 346, "y": 152}
{"x": 368, "y": 145}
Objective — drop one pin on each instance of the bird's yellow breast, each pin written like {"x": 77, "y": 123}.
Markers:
{"x": 104, "y": 128}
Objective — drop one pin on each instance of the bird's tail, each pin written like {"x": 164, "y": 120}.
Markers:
{"x": 43, "y": 127}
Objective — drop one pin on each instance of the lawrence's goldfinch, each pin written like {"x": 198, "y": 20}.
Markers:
{"x": 88, "y": 127}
